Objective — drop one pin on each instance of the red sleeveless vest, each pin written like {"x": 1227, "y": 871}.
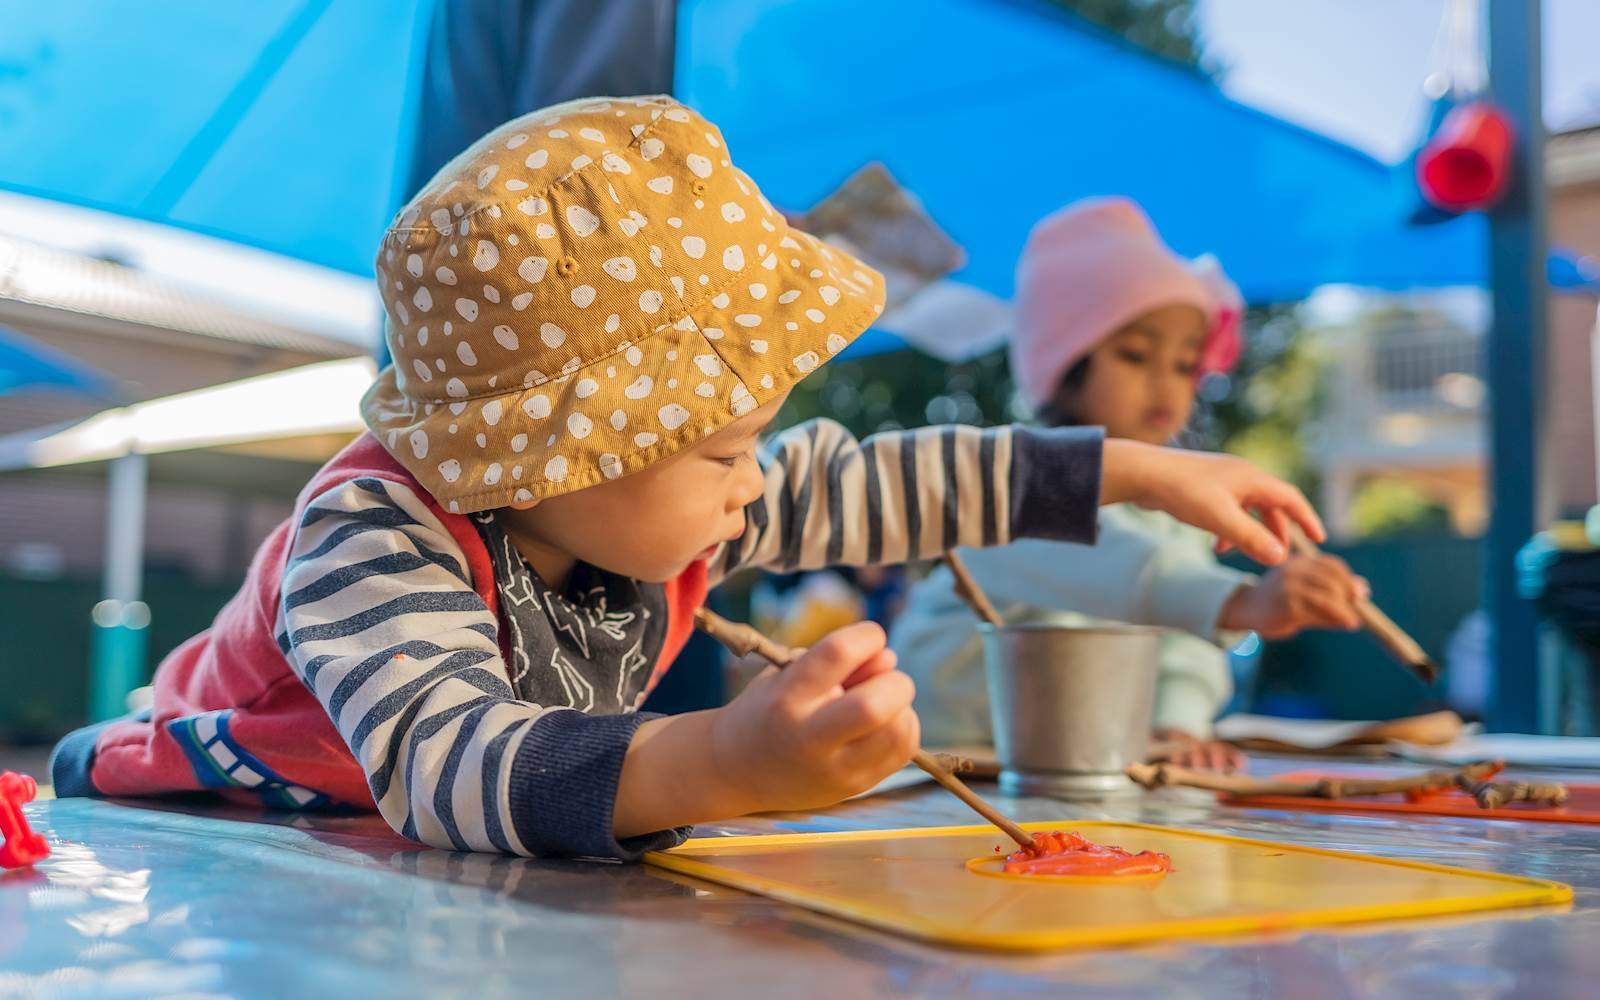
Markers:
{"x": 231, "y": 715}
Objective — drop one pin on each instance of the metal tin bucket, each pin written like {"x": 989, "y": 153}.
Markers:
{"x": 1071, "y": 706}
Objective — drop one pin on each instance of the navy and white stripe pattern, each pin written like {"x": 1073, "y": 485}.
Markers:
{"x": 380, "y": 621}
{"x": 898, "y": 497}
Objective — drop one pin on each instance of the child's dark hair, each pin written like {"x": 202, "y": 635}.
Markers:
{"x": 1059, "y": 411}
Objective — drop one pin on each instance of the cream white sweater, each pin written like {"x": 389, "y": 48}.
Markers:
{"x": 1147, "y": 569}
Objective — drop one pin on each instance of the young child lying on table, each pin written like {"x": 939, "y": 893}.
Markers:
{"x": 593, "y": 316}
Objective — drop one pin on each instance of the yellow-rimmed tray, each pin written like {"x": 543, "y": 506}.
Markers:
{"x": 917, "y": 882}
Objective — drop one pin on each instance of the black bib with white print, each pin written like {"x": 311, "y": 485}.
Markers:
{"x": 591, "y": 647}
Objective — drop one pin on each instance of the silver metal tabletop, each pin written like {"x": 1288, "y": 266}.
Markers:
{"x": 212, "y": 901}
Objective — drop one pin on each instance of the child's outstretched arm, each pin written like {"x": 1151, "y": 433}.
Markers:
{"x": 907, "y": 495}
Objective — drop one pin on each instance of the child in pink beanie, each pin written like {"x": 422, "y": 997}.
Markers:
{"x": 1096, "y": 273}
{"x": 1115, "y": 329}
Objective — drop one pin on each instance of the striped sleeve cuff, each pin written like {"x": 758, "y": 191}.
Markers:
{"x": 1055, "y": 483}
{"x": 564, "y": 787}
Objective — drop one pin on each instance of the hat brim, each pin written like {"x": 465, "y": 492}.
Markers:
{"x": 724, "y": 352}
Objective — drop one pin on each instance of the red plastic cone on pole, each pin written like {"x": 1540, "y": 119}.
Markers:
{"x": 1467, "y": 163}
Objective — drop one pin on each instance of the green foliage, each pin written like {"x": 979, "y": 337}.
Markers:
{"x": 1262, "y": 409}
{"x": 905, "y": 389}
{"x": 1385, "y": 508}
{"x": 1167, "y": 28}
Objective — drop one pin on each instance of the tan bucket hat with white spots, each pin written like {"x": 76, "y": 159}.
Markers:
{"x": 587, "y": 290}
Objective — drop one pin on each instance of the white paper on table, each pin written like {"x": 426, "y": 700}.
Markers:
{"x": 1312, "y": 734}
{"x": 1516, "y": 749}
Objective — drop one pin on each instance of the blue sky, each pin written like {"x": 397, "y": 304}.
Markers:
{"x": 1298, "y": 59}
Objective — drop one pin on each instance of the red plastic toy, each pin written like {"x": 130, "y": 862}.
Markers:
{"x": 19, "y": 845}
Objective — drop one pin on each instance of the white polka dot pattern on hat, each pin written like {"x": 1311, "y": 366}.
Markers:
{"x": 595, "y": 285}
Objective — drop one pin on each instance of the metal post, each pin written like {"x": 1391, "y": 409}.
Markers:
{"x": 1594, "y": 392}
{"x": 121, "y": 619}
{"x": 1516, "y": 359}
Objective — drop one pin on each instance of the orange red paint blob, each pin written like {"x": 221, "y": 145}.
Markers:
{"x": 1059, "y": 853}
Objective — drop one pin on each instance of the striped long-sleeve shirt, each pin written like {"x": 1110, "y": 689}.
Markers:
{"x": 833, "y": 501}
{"x": 462, "y": 749}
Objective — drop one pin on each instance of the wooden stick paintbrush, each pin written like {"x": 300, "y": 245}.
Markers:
{"x": 968, "y": 590}
{"x": 1472, "y": 779}
{"x": 1394, "y": 638}
{"x": 742, "y": 640}
{"x": 1153, "y": 776}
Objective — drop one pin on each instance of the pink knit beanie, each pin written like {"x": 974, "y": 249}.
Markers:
{"x": 1097, "y": 265}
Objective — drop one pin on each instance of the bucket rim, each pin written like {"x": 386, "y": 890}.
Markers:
{"x": 987, "y": 629}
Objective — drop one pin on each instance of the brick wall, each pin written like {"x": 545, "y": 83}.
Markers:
{"x": 1575, "y": 225}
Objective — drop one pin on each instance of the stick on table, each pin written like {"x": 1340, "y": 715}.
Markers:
{"x": 1472, "y": 779}
{"x": 742, "y": 640}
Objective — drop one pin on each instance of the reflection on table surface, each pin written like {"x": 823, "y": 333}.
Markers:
{"x": 224, "y": 902}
